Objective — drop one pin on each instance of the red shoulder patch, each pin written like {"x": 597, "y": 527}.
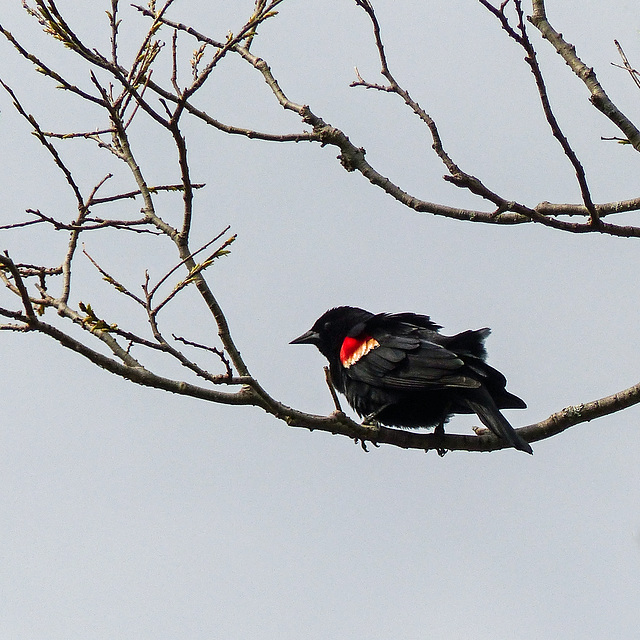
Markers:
{"x": 354, "y": 348}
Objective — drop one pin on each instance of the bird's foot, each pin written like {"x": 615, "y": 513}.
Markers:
{"x": 370, "y": 420}
{"x": 438, "y": 433}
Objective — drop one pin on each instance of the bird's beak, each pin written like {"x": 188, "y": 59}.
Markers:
{"x": 310, "y": 337}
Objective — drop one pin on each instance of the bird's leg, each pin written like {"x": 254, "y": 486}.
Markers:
{"x": 438, "y": 432}
{"x": 371, "y": 417}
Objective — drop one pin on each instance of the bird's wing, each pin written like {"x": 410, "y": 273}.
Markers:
{"x": 409, "y": 361}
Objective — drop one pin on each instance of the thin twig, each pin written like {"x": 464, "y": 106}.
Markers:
{"x": 183, "y": 261}
{"x": 115, "y": 24}
{"x": 635, "y": 75}
{"x": 195, "y": 272}
{"x": 7, "y": 263}
{"x": 214, "y": 350}
{"x": 112, "y": 281}
{"x": 332, "y": 389}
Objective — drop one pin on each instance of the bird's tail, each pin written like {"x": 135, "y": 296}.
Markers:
{"x": 486, "y": 409}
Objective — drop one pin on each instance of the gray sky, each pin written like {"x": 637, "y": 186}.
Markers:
{"x": 132, "y": 513}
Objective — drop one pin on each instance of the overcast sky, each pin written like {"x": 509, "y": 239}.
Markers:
{"x": 132, "y": 513}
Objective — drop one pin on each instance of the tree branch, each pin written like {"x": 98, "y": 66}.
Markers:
{"x": 532, "y": 60}
{"x": 129, "y": 93}
{"x": 599, "y": 98}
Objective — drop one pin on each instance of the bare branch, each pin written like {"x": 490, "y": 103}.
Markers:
{"x": 7, "y": 263}
{"x": 87, "y": 224}
{"x": 257, "y": 63}
{"x": 42, "y": 137}
{"x": 635, "y": 75}
{"x": 195, "y": 273}
{"x": 112, "y": 281}
{"x": 599, "y": 98}
{"x": 522, "y": 38}
{"x": 332, "y": 389}
{"x": 115, "y": 24}
{"x": 213, "y": 350}
{"x": 139, "y": 374}
{"x": 191, "y": 256}
{"x": 42, "y": 68}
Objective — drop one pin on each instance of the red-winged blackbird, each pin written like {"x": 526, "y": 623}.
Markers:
{"x": 398, "y": 370}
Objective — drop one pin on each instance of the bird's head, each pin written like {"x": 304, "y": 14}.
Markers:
{"x": 330, "y": 330}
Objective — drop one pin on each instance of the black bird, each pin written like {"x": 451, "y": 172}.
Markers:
{"x": 398, "y": 370}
